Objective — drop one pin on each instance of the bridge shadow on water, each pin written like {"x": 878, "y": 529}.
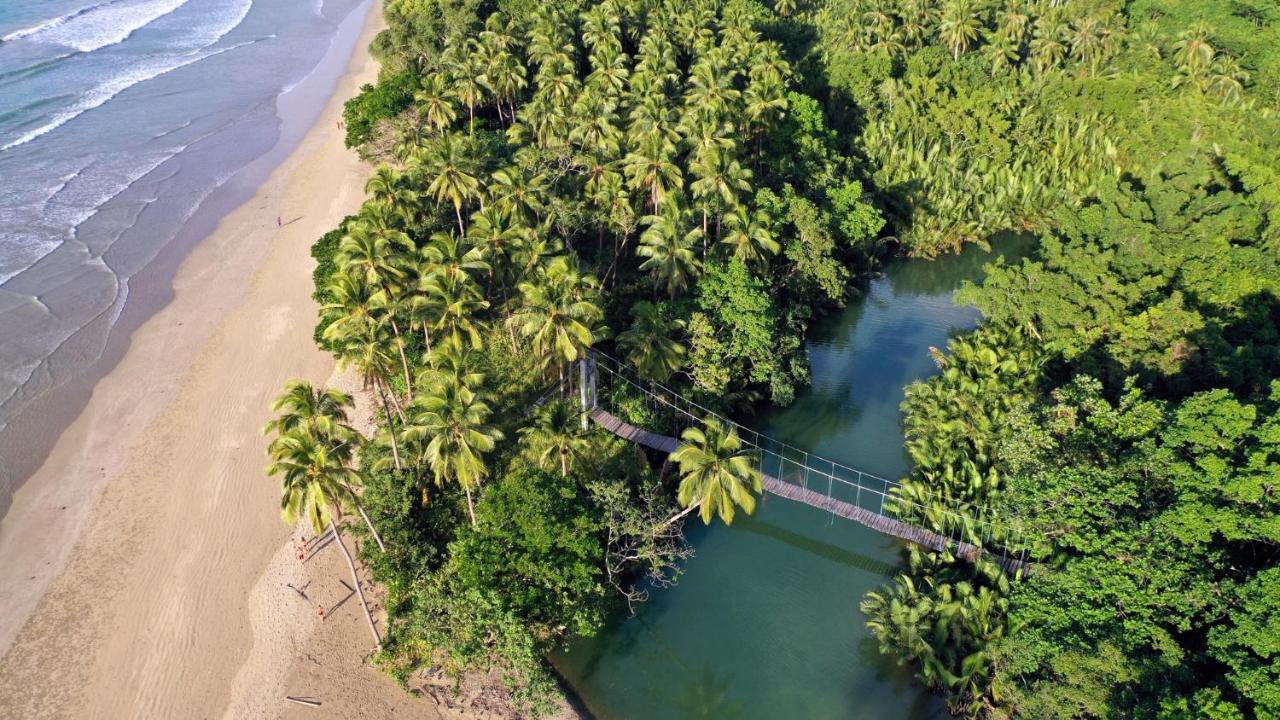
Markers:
{"x": 816, "y": 547}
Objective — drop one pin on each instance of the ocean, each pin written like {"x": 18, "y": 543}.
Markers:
{"x": 127, "y": 127}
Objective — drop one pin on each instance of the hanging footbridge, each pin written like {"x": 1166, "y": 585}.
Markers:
{"x": 797, "y": 475}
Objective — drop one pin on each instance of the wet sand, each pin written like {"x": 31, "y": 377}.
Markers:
{"x": 144, "y": 563}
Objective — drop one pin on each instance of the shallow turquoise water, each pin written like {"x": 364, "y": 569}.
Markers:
{"x": 765, "y": 622}
{"x": 128, "y": 128}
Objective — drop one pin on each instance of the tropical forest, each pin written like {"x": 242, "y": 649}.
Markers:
{"x": 693, "y": 189}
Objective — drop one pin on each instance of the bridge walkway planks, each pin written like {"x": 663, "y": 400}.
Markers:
{"x": 881, "y": 523}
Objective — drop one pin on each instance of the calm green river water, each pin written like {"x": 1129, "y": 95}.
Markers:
{"x": 765, "y": 622}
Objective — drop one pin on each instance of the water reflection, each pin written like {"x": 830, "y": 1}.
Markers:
{"x": 765, "y": 622}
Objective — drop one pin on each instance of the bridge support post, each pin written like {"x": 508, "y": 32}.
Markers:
{"x": 587, "y": 386}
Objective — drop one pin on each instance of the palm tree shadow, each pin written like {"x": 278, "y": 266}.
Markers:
{"x": 705, "y": 694}
{"x": 902, "y": 680}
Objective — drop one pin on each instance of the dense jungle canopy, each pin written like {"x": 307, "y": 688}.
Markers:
{"x": 689, "y": 184}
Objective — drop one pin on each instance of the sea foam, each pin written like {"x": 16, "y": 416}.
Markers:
{"x": 146, "y": 70}
{"x": 103, "y": 25}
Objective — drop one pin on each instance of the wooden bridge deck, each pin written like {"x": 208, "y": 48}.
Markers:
{"x": 790, "y": 491}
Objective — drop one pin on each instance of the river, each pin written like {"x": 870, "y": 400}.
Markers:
{"x": 764, "y": 623}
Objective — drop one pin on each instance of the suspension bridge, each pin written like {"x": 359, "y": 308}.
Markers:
{"x": 795, "y": 474}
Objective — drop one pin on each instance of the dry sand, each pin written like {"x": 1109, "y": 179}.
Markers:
{"x": 144, "y": 565}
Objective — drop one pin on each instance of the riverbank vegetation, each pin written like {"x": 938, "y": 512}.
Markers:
{"x": 1118, "y": 407}
{"x": 650, "y": 178}
{"x": 689, "y": 184}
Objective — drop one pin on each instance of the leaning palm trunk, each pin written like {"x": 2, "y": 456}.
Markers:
{"x": 404, "y": 361}
{"x": 471, "y": 508}
{"x": 372, "y": 530}
{"x": 355, "y": 578}
{"x": 391, "y": 430}
{"x": 681, "y": 514}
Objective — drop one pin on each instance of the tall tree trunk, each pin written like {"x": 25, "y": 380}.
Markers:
{"x": 582, "y": 392}
{"x": 355, "y": 578}
{"x": 396, "y": 404}
{"x": 426, "y": 337}
{"x": 404, "y": 361}
{"x": 681, "y": 514}
{"x": 617, "y": 252}
{"x": 391, "y": 430}
{"x": 372, "y": 530}
{"x": 457, "y": 210}
{"x": 471, "y": 508}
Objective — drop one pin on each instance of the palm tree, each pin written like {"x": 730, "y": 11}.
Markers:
{"x": 435, "y": 103}
{"x": 1000, "y": 52}
{"x": 1047, "y": 47}
{"x": 455, "y": 258}
{"x": 711, "y": 94}
{"x": 1193, "y": 53}
{"x": 320, "y": 413}
{"x": 452, "y": 422}
{"x": 448, "y": 173}
{"x": 650, "y": 344}
{"x": 386, "y": 189}
{"x": 720, "y": 181}
{"x": 451, "y": 365}
{"x": 652, "y": 169}
{"x": 748, "y": 236}
{"x": 498, "y": 239}
{"x": 468, "y": 80}
{"x": 378, "y": 256}
{"x": 455, "y": 300}
{"x": 556, "y": 434}
{"x": 718, "y": 476}
{"x": 314, "y": 479}
{"x": 519, "y": 195}
{"x": 1088, "y": 40}
{"x": 959, "y": 26}
{"x": 505, "y": 74}
{"x": 365, "y": 354}
{"x": 560, "y": 313}
{"x": 669, "y": 253}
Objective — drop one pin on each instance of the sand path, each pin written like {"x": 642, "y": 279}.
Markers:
{"x": 176, "y": 577}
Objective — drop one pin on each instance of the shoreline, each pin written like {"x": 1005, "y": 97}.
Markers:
{"x": 40, "y": 414}
{"x": 46, "y": 504}
{"x": 147, "y": 605}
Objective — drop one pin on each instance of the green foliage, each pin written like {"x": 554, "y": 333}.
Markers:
{"x": 323, "y": 251}
{"x": 390, "y": 97}
{"x": 535, "y": 545}
{"x": 1249, "y": 643}
{"x": 1114, "y": 414}
{"x": 736, "y": 333}
{"x": 990, "y": 116}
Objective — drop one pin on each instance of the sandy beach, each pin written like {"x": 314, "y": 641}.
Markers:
{"x": 146, "y": 568}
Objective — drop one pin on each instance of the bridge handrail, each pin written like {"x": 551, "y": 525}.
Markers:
{"x": 961, "y": 519}
{"x": 742, "y": 428}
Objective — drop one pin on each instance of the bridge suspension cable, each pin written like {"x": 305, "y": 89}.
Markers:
{"x": 802, "y": 476}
